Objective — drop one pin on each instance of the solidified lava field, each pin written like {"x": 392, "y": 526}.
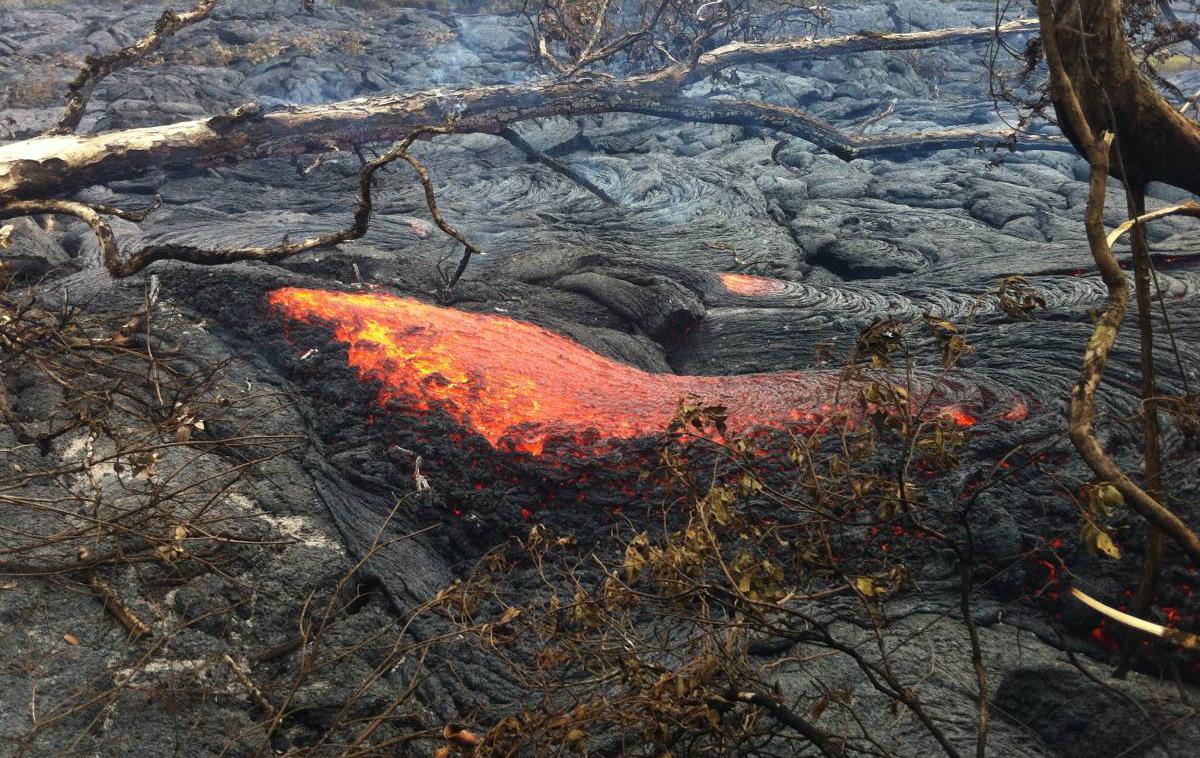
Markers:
{"x": 358, "y": 404}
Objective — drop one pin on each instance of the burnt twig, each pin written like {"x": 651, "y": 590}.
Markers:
{"x": 248, "y": 684}
{"x": 431, "y": 201}
{"x": 558, "y": 167}
{"x": 117, "y": 607}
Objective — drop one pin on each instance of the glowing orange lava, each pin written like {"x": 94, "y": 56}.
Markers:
{"x": 520, "y": 386}
{"x": 958, "y": 415}
{"x": 1018, "y": 411}
{"x": 746, "y": 284}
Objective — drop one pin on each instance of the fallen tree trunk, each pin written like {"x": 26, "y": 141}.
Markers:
{"x": 53, "y": 166}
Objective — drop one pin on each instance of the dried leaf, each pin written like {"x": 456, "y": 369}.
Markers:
{"x": 1110, "y": 496}
{"x": 70, "y": 639}
{"x": 1018, "y": 298}
{"x": 1105, "y": 544}
{"x": 461, "y": 738}
{"x": 635, "y": 559}
{"x": 866, "y": 586}
{"x": 819, "y": 707}
{"x": 509, "y": 615}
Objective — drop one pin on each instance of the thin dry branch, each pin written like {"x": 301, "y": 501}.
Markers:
{"x": 248, "y": 684}
{"x": 1151, "y": 443}
{"x": 558, "y": 167}
{"x": 738, "y": 53}
{"x": 95, "y": 69}
{"x": 117, "y": 607}
{"x": 828, "y": 137}
{"x": 587, "y": 57}
{"x": 1179, "y": 637}
{"x": 431, "y": 202}
{"x": 1190, "y": 208}
{"x": 789, "y": 718}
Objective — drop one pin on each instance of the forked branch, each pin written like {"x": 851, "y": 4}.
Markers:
{"x": 95, "y": 69}
{"x": 120, "y": 265}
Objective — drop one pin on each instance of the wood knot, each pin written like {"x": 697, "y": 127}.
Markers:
{"x": 239, "y": 116}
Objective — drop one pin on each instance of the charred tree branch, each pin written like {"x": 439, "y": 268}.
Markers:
{"x": 52, "y": 166}
{"x": 431, "y": 201}
{"x": 739, "y": 53}
{"x": 120, "y": 266}
{"x": 558, "y": 167}
{"x": 95, "y": 69}
{"x": 828, "y": 137}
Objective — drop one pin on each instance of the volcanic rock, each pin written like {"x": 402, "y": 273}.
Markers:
{"x": 32, "y": 254}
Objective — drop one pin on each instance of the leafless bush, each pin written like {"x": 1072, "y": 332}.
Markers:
{"x": 122, "y": 456}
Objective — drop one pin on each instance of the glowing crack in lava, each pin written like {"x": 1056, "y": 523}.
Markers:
{"x": 524, "y": 388}
{"x": 750, "y": 285}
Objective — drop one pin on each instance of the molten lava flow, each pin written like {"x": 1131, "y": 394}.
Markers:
{"x": 750, "y": 286}
{"x": 520, "y": 386}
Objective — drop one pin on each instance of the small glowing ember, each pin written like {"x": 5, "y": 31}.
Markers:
{"x": 958, "y": 415}
{"x": 521, "y": 387}
{"x": 1018, "y": 411}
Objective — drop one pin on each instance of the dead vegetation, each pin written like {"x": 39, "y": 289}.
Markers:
{"x": 268, "y": 48}
{"x": 669, "y": 635}
{"x": 37, "y": 81}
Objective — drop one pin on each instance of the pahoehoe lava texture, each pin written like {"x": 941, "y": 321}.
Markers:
{"x": 718, "y": 262}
